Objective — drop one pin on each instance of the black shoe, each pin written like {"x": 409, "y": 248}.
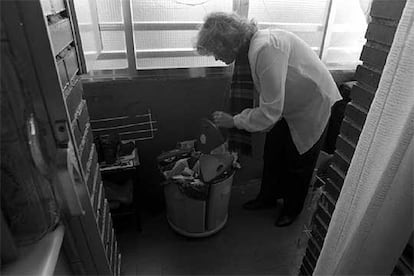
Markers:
{"x": 285, "y": 220}
{"x": 257, "y": 204}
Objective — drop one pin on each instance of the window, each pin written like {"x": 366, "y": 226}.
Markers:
{"x": 154, "y": 34}
{"x": 101, "y": 26}
{"x": 111, "y": 26}
{"x": 335, "y": 29}
{"x": 303, "y": 17}
{"x": 345, "y": 34}
{"x": 165, "y": 32}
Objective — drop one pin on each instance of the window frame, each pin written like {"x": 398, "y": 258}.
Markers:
{"x": 240, "y": 7}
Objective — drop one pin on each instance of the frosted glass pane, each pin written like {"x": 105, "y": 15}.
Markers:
{"x": 109, "y": 10}
{"x": 109, "y": 64}
{"x": 342, "y": 58}
{"x": 347, "y": 39}
{"x": 349, "y": 12}
{"x": 288, "y": 11}
{"x": 86, "y": 12}
{"x": 83, "y": 12}
{"x": 164, "y": 39}
{"x": 173, "y": 11}
{"x": 84, "y": 17}
{"x": 88, "y": 41}
{"x": 177, "y": 62}
{"x": 346, "y": 35}
{"x": 176, "y": 10}
{"x": 113, "y": 40}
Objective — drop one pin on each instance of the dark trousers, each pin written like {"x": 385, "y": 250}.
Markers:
{"x": 286, "y": 173}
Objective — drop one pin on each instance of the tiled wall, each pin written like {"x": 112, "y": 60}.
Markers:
{"x": 385, "y": 15}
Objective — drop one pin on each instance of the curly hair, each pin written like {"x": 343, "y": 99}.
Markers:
{"x": 223, "y": 31}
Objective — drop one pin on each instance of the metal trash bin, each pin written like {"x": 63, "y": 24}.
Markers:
{"x": 218, "y": 203}
{"x": 198, "y": 218}
{"x": 200, "y": 213}
{"x": 184, "y": 212}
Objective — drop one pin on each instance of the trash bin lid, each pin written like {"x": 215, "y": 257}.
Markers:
{"x": 210, "y": 136}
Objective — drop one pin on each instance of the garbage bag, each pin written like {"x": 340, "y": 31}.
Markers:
{"x": 191, "y": 187}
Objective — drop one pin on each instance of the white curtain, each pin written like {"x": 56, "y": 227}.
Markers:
{"x": 373, "y": 218}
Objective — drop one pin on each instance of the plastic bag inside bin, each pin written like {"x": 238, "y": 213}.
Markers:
{"x": 197, "y": 164}
{"x": 190, "y": 186}
{"x": 190, "y": 181}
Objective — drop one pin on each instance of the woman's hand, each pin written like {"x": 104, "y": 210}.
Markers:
{"x": 222, "y": 119}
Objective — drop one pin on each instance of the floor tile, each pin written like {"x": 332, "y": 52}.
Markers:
{"x": 249, "y": 244}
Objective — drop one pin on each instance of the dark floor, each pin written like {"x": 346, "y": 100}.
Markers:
{"x": 249, "y": 244}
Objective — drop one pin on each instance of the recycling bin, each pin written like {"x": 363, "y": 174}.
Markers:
{"x": 199, "y": 176}
{"x": 218, "y": 203}
{"x": 198, "y": 218}
{"x": 184, "y": 212}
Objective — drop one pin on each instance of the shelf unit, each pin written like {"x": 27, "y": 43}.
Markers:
{"x": 62, "y": 32}
{"x": 45, "y": 40}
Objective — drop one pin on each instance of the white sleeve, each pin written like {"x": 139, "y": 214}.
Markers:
{"x": 271, "y": 69}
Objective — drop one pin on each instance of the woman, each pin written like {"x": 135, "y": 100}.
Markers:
{"x": 295, "y": 94}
